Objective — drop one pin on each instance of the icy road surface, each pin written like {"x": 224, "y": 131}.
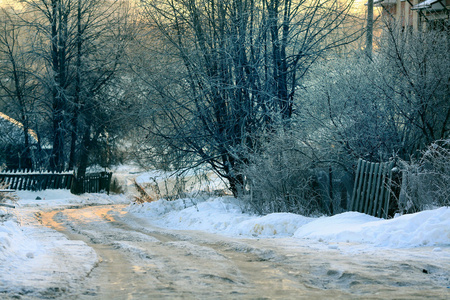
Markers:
{"x": 137, "y": 260}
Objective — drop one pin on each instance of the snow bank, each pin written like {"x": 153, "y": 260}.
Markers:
{"x": 11, "y": 239}
{"x": 223, "y": 215}
{"x": 218, "y": 215}
{"x": 426, "y": 228}
{"x": 214, "y": 215}
{"x": 60, "y": 198}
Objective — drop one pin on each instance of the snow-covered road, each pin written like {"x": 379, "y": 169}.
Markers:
{"x": 134, "y": 259}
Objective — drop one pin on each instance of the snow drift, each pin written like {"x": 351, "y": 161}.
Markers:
{"x": 224, "y": 215}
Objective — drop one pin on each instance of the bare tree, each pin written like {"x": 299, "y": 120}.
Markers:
{"x": 416, "y": 81}
{"x": 81, "y": 44}
{"x": 239, "y": 67}
{"x": 18, "y": 84}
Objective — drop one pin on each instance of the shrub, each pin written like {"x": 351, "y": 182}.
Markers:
{"x": 426, "y": 182}
{"x": 115, "y": 187}
{"x": 281, "y": 177}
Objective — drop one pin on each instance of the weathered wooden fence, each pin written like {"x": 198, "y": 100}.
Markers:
{"x": 38, "y": 181}
{"x": 372, "y": 189}
{"x": 96, "y": 182}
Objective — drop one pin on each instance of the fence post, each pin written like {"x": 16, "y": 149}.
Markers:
{"x": 356, "y": 185}
{"x": 369, "y": 187}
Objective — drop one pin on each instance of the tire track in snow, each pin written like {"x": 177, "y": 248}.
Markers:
{"x": 141, "y": 261}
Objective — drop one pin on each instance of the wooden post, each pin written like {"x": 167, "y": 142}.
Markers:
{"x": 374, "y": 188}
{"x": 363, "y": 191}
{"x": 388, "y": 190}
{"x": 353, "y": 205}
{"x": 377, "y": 190}
{"x": 369, "y": 189}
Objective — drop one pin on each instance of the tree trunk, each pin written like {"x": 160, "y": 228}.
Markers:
{"x": 369, "y": 30}
{"x": 78, "y": 185}
{"x": 57, "y": 157}
{"x": 74, "y": 135}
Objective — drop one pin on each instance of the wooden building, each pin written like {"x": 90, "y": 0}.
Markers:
{"x": 416, "y": 14}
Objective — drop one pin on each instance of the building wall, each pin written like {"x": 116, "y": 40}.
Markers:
{"x": 423, "y": 18}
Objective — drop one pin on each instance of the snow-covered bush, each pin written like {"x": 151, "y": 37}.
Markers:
{"x": 281, "y": 177}
{"x": 426, "y": 183}
{"x": 395, "y": 104}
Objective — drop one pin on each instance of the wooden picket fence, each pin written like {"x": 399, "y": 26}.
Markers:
{"x": 372, "y": 189}
{"x": 96, "y": 182}
{"x": 38, "y": 181}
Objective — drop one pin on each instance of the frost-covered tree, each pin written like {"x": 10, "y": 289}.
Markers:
{"x": 19, "y": 88}
{"x": 79, "y": 45}
{"x": 231, "y": 71}
{"x": 396, "y": 104}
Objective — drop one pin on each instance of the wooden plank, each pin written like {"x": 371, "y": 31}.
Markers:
{"x": 374, "y": 188}
{"x": 97, "y": 184}
{"x": 382, "y": 192}
{"x": 29, "y": 182}
{"x": 360, "y": 184}
{"x": 355, "y": 185}
{"x": 57, "y": 181}
{"x": 9, "y": 181}
{"x": 63, "y": 181}
{"x": 364, "y": 186}
{"x": 24, "y": 182}
{"x": 68, "y": 181}
{"x": 377, "y": 190}
{"x": 15, "y": 182}
{"x": 53, "y": 181}
{"x": 18, "y": 182}
{"x": 69, "y": 184}
{"x": 23, "y": 185}
{"x": 43, "y": 182}
{"x": 369, "y": 188}
{"x": 388, "y": 190}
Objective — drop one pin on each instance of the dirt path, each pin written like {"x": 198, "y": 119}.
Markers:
{"x": 140, "y": 261}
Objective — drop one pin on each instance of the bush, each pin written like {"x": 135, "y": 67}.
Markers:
{"x": 115, "y": 187}
{"x": 426, "y": 183}
{"x": 281, "y": 177}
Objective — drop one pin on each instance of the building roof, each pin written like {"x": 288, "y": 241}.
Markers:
{"x": 430, "y": 4}
{"x": 375, "y": 2}
{"x": 11, "y": 129}
{"x": 427, "y": 4}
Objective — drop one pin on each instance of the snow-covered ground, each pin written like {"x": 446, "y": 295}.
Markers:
{"x": 26, "y": 247}
{"x": 35, "y": 259}
{"x": 224, "y": 216}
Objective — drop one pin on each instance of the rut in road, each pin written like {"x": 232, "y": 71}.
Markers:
{"x": 141, "y": 261}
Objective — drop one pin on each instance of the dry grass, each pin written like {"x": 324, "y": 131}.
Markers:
{"x": 7, "y": 196}
{"x": 143, "y": 196}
